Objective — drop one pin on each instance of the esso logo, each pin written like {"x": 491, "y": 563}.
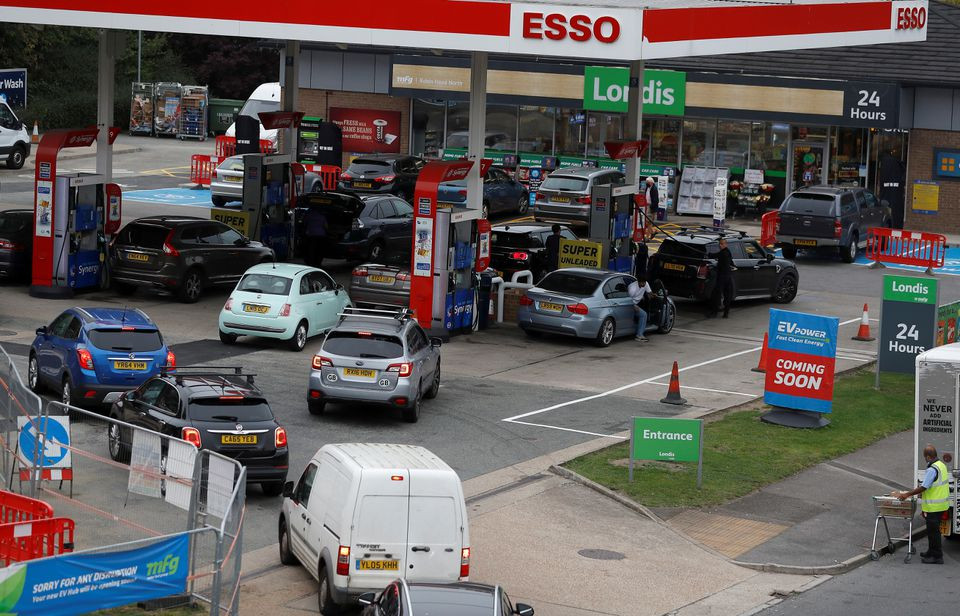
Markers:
{"x": 580, "y": 28}
{"x": 911, "y": 18}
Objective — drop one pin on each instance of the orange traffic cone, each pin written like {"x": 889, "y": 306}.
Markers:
{"x": 762, "y": 364}
{"x": 673, "y": 393}
{"x": 863, "y": 334}
{"x": 35, "y": 137}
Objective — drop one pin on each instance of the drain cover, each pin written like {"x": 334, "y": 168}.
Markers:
{"x": 602, "y": 554}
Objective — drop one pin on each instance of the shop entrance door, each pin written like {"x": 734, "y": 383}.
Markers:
{"x": 809, "y": 164}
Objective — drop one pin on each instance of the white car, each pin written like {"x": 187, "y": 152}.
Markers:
{"x": 226, "y": 185}
{"x": 285, "y": 301}
{"x": 14, "y": 138}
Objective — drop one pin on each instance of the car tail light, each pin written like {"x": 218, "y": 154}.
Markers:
{"x": 702, "y": 272}
{"x": 346, "y": 176}
{"x": 465, "y": 562}
{"x": 837, "y": 228}
{"x": 191, "y": 435}
{"x": 321, "y": 362}
{"x": 385, "y": 179}
{"x": 285, "y": 310}
{"x": 526, "y": 300}
{"x": 400, "y": 402}
{"x": 280, "y": 438}
{"x": 316, "y": 394}
{"x": 403, "y": 276}
{"x": 10, "y": 245}
{"x": 168, "y": 248}
{"x": 578, "y": 308}
{"x": 228, "y": 305}
{"x": 343, "y": 560}
{"x": 171, "y": 360}
{"x": 585, "y": 200}
{"x": 520, "y": 256}
{"x": 90, "y": 394}
{"x": 85, "y": 359}
{"x": 360, "y": 272}
{"x": 404, "y": 369}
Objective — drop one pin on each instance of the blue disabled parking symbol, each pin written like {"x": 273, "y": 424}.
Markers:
{"x": 56, "y": 450}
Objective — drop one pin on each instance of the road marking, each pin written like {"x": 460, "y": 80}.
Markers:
{"x": 716, "y": 391}
{"x": 536, "y": 425}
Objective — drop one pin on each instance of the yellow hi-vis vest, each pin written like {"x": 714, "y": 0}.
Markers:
{"x": 937, "y": 497}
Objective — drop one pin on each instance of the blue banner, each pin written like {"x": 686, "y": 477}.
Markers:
{"x": 13, "y": 87}
{"x": 75, "y": 584}
{"x": 801, "y": 356}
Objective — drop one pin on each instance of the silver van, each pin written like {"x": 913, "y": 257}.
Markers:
{"x": 565, "y": 195}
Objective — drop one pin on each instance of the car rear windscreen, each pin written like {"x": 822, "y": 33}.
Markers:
{"x": 363, "y": 344}
{"x": 502, "y": 239}
{"x": 368, "y": 166}
{"x": 235, "y": 410}
{"x": 136, "y": 341}
{"x": 12, "y": 222}
{"x": 562, "y": 182}
{"x": 143, "y": 236}
{"x": 265, "y": 283}
{"x": 807, "y": 203}
{"x": 673, "y": 248}
{"x": 569, "y": 284}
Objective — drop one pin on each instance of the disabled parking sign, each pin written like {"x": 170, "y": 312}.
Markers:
{"x": 51, "y": 435}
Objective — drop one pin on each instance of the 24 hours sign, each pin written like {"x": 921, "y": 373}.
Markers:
{"x": 908, "y": 323}
{"x": 801, "y": 358}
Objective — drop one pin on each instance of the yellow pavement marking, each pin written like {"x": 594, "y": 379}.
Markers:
{"x": 731, "y": 536}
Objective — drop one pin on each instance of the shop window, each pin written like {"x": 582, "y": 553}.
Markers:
{"x": 768, "y": 146}
{"x": 458, "y": 124}
{"x": 847, "y": 155}
{"x": 501, "y": 133}
{"x": 665, "y": 141}
{"x": 698, "y": 141}
{"x": 427, "y": 122}
{"x": 536, "y": 129}
{"x": 571, "y": 132}
{"x": 603, "y": 127}
{"x": 733, "y": 144}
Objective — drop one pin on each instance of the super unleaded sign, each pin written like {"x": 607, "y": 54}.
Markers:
{"x": 801, "y": 356}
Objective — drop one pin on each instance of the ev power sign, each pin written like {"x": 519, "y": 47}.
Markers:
{"x": 801, "y": 356}
{"x": 908, "y": 323}
{"x": 606, "y": 88}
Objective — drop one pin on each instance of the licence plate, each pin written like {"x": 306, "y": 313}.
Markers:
{"x": 675, "y": 267}
{"x": 362, "y": 185}
{"x": 238, "y": 439}
{"x": 136, "y": 256}
{"x": 129, "y": 365}
{"x": 550, "y": 307}
{"x": 378, "y": 565}
{"x": 805, "y": 242}
{"x": 232, "y": 178}
{"x": 381, "y": 279}
{"x": 367, "y": 374}
{"x": 556, "y": 199}
{"x": 256, "y": 309}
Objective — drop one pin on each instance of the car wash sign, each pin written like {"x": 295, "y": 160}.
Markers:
{"x": 908, "y": 322}
{"x": 801, "y": 356}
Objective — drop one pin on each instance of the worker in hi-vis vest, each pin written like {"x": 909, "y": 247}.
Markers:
{"x": 934, "y": 493}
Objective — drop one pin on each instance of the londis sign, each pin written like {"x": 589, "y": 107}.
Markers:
{"x": 801, "y": 356}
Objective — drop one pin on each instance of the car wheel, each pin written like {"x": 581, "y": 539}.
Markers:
{"x": 33, "y": 374}
{"x": 669, "y": 319}
{"x": 272, "y": 488}
{"x": 789, "y": 252}
{"x": 218, "y": 201}
{"x": 435, "y": 386}
{"x": 316, "y": 407}
{"x": 228, "y": 338}
{"x": 283, "y": 538}
{"x": 191, "y": 287}
{"x": 412, "y": 414}
{"x": 485, "y": 210}
{"x": 786, "y": 289}
{"x": 299, "y": 338}
{"x": 376, "y": 251}
{"x": 66, "y": 390}
{"x": 17, "y": 157}
{"x": 524, "y": 205}
{"x": 849, "y": 252}
{"x": 608, "y": 329}
{"x": 119, "y": 450}
{"x": 328, "y": 607}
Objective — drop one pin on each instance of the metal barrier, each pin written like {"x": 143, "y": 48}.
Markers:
{"x": 329, "y": 174}
{"x": 514, "y": 283}
{"x": 227, "y": 146}
{"x": 906, "y": 247}
{"x": 201, "y": 168}
{"x": 23, "y": 541}
{"x": 769, "y": 224}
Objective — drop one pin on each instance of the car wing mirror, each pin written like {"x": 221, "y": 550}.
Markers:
{"x": 522, "y": 609}
{"x": 436, "y": 342}
{"x": 288, "y": 489}
{"x": 42, "y": 330}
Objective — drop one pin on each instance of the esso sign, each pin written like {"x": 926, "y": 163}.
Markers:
{"x": 911, "y": 18}
{"x": 580, "y": 28}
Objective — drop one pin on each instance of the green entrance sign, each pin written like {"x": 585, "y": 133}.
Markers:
{"x": 667, "y": 440}
{"x": 910, "y": 289}
{"x": 606, "y": 88}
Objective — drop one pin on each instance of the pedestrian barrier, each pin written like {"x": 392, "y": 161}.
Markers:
{"x": 227, "y": 146}
{"x": 18, "y": 508}
{"x": 863, "y": 332}
{"x": 762, "y": 364}
{"x": 201, "y": 168}
{"x": 906, "y": 247}
{"x": 768, "y": 228}
{"x": 329, "y": 174}
{"x": 673, "y": 392}
{"x": 22, "y": 541}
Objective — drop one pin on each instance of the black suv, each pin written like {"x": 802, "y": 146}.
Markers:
{"x": 217, "y": 409}
{"x": 831, "y": 218}
{"x": 687, "y": 263}
{"x": 396, "y": 175}
{"x": 522, "y": 246}
{"x": 182, "y": 255}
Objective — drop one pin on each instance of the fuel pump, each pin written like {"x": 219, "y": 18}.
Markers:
{"x": 611, "y": 214}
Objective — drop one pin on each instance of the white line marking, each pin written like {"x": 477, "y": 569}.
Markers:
{"x": 526, "y": 423}
{"x": 628, "y": 386}
{"x": 716, "y": 391}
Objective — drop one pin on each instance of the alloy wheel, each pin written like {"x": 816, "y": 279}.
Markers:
{"x": 113, "y": 438}
{"x": 33, "y": 373}
{"x": 67, "y": 395}
{"x": 607, "y": 335}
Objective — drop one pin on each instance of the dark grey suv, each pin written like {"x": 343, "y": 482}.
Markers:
{"x": 828, "y": 218}
{"x": 182, "y": 255}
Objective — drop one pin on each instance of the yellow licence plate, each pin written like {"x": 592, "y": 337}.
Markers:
{"x": 385, "y": 279}
{"x": 367, "y": 374}
{"x": 674, "y": 266}
{"x": 362, "y": 185}
{"x": 233, "y": 178}
{"x": 136, "y": 256}
{"x": 238, "y": 439}
{"x": 257, "y": 309}
{"x": 129, "y": 365}
{"x": 378, "y": 565}
{"x": 805, "y": 242}
{"x": 560, "y": 199}
{"x": 550, "y": 307}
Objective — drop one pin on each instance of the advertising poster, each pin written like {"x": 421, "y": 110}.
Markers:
{"x": 44, "y": 209}
{"x": 368, "y": 130}
{"x": 801, "y": 357}
{"x": 423, "y": 247}
{"x": 926, "y": 197}
{"x": 720, "y": 201}
{"x": 579, "y": 253}
{"x": 947, "y": 316}
{"x": 80, "y": 583}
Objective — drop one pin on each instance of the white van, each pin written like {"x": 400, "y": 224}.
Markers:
{"x": 14, "y": 138}
{"x": 364, "y": 514}
{"x": 266, "y": 97}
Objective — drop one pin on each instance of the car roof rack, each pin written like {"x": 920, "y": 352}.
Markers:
{"x": 707, "y": 230}
{"x": 400, "y": 315}
{"x": 205, "y": 371}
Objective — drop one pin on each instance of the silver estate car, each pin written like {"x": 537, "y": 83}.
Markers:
{"x": 374, "y": 284}
{"x": 590, "y": 303}
{"x": 378, "y": 357}
{"x": 565, "y": 196}
{"x": 226, "y": 182}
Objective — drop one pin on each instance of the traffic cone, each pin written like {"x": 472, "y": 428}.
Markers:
{"x": 673, "y": 393}
{"x": 863, "y": 334}
{"x": 35, "y": 137}
{"x": 762, "y": 364}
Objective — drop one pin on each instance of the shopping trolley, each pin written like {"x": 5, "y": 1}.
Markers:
{"x": 893, "y": 507}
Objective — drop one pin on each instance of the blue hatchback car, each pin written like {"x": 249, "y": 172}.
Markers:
{"x": 87, "y": 353}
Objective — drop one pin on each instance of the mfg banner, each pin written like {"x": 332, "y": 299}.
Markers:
{"x": 801, "y": 355}
{"x": 368, "y": 130}
{"x": 79, "y": 583}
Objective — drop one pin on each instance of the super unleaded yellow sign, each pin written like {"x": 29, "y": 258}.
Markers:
{"x": 580, "y": 253}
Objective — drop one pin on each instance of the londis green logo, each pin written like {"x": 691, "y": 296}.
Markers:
{"x": 167, "y": 566}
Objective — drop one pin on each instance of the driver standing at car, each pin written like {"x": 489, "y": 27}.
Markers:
{"x": 638, "y": 290}
{"x": 723, "y": 289}
{"x": 316, "y": 234}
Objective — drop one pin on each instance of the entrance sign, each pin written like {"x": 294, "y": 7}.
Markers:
{"x": 580, "y": 253}
{"x": 667, "y": 440}
{"x": 801, "y": 356}
{"x": 908, "y": 321}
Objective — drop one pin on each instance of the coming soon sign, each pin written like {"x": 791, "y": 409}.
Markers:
{"x": 801, "y": 356}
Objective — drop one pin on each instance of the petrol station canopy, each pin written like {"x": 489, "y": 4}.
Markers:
{"x": 624, "y": 30}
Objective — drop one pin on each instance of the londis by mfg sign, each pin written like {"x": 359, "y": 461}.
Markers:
{"x": 579, "y": 253}
{"x": 606, "y": 88}
{"x": 908, "y": 321}
{"x": 801, "y": 356}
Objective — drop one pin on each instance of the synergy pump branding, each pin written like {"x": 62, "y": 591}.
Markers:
{"x": 607, "y": 88}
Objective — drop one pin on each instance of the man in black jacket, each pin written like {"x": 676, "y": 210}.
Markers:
{"x": 653, "y": 197}
{"x": 723, "y": 289}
